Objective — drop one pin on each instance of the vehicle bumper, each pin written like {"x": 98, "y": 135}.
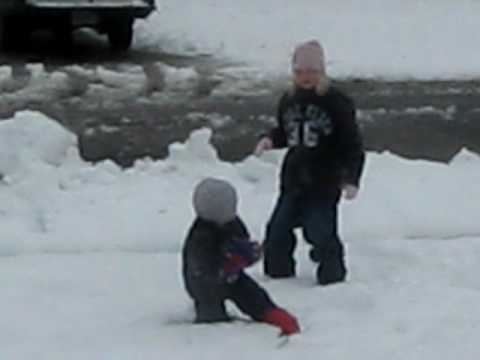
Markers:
{"x": 48, "y": 8}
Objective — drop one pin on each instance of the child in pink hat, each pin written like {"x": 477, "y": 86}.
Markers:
{"x": 309, "y": 59}
{"x": 325, "y": 159}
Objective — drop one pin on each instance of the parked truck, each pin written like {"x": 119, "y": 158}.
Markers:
{"x": 19, "y": 18}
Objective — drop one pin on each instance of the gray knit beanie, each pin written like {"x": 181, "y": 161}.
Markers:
{"x": 215, "y": 200}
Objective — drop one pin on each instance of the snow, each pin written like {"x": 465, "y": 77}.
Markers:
{"x": 116, "y": 79}
{"x": 29, "y": 138}
{"x": 179, "y": 79}
{"x": 90, "y": 253}
{"x": 447, "y": 113}
{"x": 245, "y": 81}
{"x": 39, "y": 86}
{"x": 97, "y": 87}
{"x": 5, "y": 76}
{"x": 90, "y": 262}
{"x": 388, "y": 39}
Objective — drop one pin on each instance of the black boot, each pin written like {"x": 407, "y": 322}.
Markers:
{"x": 279, "y": 269}
{"x": 331, "y": 271}
{"x": 210, "y": 313}
{"x": 315, "y": 255}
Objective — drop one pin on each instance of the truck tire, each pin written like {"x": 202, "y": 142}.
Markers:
{"x": 13, "y": 33}
{"x": 120, "y": 35}
{"x": 7, "y": 40}
{"x": 64, "y": 38}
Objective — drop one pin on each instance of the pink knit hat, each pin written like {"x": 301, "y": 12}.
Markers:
{"x": 309, "y": 56}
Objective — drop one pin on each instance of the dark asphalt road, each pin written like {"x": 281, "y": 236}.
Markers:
{"x": 429, "y": 120}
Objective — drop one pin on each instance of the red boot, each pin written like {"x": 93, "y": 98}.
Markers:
{"x": 280, "y": 318}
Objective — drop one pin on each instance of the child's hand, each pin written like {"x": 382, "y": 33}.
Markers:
{"x": 249, "y": 250}
{"x": 240, "y": 254}
{"x": 257, "y": 249}
{"x": 350, "y": 192}
{"x": 263, "y": 145}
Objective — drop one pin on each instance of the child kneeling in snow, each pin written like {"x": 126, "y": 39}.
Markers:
{"x": 216, "y": 252}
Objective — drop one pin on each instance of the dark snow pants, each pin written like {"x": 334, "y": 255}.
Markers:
{"x": 245, "y": 293}
{"x": 317, "y": 216}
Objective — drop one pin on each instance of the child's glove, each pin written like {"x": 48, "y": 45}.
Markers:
{"x": 240, "y": 254}
{"x": 249, "y": 250}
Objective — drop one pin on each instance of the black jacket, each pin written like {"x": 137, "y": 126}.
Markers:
{"x": 325, "y": 144}
{"x": 203, "y": 257}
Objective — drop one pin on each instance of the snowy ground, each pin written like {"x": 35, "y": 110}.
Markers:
{"x": 89, "y": 254}
{"x": 89, "y": 257}
{"x": 106, "y": 88}
{"x": 390, "y": 39}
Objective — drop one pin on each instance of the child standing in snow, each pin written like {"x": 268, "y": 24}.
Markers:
{"x": 216, "y": 252}
{"x": 325, "y": 158}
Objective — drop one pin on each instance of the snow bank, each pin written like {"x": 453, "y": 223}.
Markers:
{"x": 51, "y": 201}
{"x": 5, "y": 76}
{"x": 31, "y": 137}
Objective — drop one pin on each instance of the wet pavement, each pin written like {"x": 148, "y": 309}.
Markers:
{"x": 135, "y": 105}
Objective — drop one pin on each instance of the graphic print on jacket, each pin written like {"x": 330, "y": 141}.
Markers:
{"x": 325, "y": 145}
{"x": 306, "y": 127}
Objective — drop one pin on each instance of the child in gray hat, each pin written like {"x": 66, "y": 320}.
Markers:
{"x": 216, "y": 252}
